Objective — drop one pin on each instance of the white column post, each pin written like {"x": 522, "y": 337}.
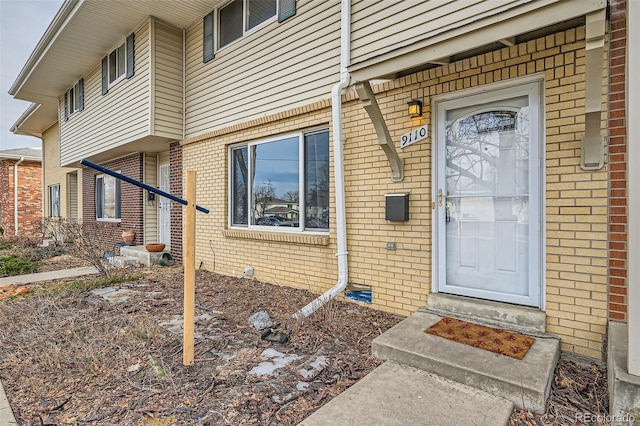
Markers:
{"x": 633, "y": 185}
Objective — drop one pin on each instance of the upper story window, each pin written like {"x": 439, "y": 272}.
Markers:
{"x": 237, "y": 17}
{"x": 118, "y": 64}
{"x": 74, "y": 99}
{"x": 107, "y": 197}
{"x": 281, "y": 182}
{"x": 240, "y": 16}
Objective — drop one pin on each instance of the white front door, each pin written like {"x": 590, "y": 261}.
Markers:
{"x": 487, "y": 194}
{"x": 164, "y": 207}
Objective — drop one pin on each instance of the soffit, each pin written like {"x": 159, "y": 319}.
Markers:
{"x": 84, "y": 31}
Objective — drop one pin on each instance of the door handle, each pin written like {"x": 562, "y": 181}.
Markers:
{"x": 448, "y": 212}
{"x": 440, "y": 197}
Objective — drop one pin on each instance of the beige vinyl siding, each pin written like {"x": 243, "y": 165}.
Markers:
{"x": 380, "y": 27}
{"x": 72, "y": 203}
{"x": 150, "y": 176}
{"x": 112, "y": 120}
{"x": 167, "y": 57}
{"x": 275, "y": 68}
{"x": 54, "y": 174}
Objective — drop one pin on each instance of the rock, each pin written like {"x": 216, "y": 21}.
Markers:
{"x": 275, "y": 336}
{"x": 260, "y": 320}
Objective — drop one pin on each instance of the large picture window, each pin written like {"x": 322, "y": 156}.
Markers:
{"x": 281, "y": 182}
{"x": 54, "y": 200}
{"x": 107, "y": 197}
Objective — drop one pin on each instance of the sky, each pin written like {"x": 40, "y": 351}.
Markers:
{"x": 22, "y": 24}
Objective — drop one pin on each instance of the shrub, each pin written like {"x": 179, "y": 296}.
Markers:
{"x": 15, "y": 265}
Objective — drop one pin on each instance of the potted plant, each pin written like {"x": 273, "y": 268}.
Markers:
{"x": 128, "y": 235}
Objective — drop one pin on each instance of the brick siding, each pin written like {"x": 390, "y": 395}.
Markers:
{"x": 618, "y": 162}
{"x": 175, "y": 188}
{"x": 29, "y": 197}
{"x": 575, "y": 200}
{"x": 131, "y": 199}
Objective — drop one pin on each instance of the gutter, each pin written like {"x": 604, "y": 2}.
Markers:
{"x": 338, "y": 166}
{"x": 15, "y": 194}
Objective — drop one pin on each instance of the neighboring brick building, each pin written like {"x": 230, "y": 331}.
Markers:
{"x": 21, "y": 180}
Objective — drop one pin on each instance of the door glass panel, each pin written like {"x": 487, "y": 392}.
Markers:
{"x": 487, "y": 195}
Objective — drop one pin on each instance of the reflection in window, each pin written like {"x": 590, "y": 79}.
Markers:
{"x": 54, "y": 200}
{"x": 267, "y": 177}
{"x": 487, "y": 153}
{"x": 107, "y": 197}
{"x": 317, "y": 180}
{"x": 240, "y": 176}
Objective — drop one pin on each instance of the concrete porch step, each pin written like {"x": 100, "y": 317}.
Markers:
{"x": 525, "y": 382}
{"x": 142, "y": 255}
{"x": 123, "y": 261}
{"x": 396, "y": 394}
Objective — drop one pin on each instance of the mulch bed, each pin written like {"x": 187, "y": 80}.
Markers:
{"x": 68, "y": 356}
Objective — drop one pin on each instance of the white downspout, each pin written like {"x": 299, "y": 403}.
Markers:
{"x": 338, "y": 167}
{"x": 15, "y": 194}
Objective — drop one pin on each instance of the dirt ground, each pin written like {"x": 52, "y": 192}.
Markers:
{"x": 68, "y": 356}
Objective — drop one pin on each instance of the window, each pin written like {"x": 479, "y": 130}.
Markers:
{"x": 268, "y": 178}
{"x": 119, "y": 63}
{"x": 107, "y": 197}
{"x": 240, "y": 16}
{"x": 74, "y": 99}
{"x": 237, "y": 17}
{"x": 54, "y": 200}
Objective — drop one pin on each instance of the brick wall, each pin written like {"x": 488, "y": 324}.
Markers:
{"x": 576, "y": 200}
{"x": 618, "y": 162}
{"x": 175, "y": 188}
{"x": 29, "y": 197}
{"x": 131, "y": 198}
{"x": 6, "y": 197}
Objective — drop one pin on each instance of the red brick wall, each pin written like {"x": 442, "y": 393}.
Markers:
{"x": 6, "y": 196}
{"x": 175, "y": 188}
{"x": 617, "y": 162}
{"x": 29, "y": 197}
{"x": 131, "y": 198}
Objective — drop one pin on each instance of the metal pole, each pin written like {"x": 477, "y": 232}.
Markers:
{"x": 138, "y": 183}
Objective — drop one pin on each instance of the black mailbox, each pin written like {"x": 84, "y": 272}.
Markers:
{"x": 396, "y": 207}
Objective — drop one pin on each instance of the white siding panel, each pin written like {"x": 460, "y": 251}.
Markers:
{"x": 278, "y": 67}
{"x": 168, "y": 106}
{"x": 388, "y": 25}
{"x": 115, "y": 119}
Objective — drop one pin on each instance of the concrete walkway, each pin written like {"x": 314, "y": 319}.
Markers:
{"x": 6, "y": 414}
{"x": 397, "y": 394}
{"x": 46, "y": 276}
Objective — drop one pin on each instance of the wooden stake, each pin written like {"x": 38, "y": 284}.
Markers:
{"x": 189, "y": 268}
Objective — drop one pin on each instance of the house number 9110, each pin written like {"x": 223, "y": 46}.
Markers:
{"x": 414, "y": 136}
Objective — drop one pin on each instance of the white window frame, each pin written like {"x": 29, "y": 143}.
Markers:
{"x": 54, "y": 194}
{"x": 100, "y": 179}
{"x": 118, "y": 77}
{"x": 301, "y": 185}
{"x": 73, "y": 98}
{"x": 245, "y": 23}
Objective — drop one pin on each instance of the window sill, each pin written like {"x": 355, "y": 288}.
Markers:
{"x": 283, "y": 237}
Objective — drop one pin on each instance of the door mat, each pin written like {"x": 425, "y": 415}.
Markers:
{"x": 479, "y": 336}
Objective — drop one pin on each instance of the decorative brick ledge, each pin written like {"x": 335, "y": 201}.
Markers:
{"x": 281, "y": 237}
